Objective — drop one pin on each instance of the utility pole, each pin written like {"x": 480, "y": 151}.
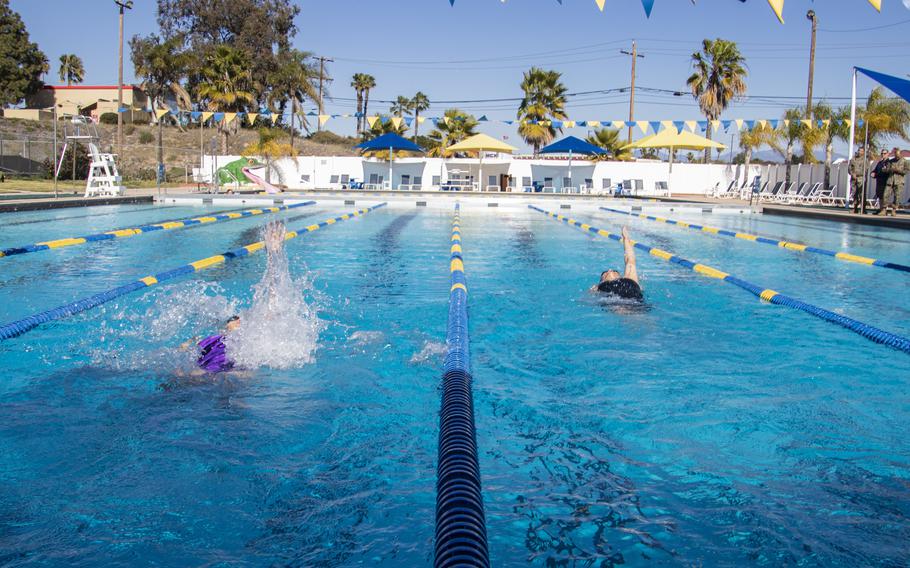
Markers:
{"x": 322, "y": 62}
{"x": 635, "y": 55}
{"x": 124, "y": 5}
{"x": 811, "y": 17}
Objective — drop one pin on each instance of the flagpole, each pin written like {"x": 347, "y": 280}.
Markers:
{"x": 852, "y": 140}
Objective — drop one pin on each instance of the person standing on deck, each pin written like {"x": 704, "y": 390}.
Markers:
{"x": 896, "y": 168}
{"x": 857, "y": 171}
{"x": 881, "y": 178}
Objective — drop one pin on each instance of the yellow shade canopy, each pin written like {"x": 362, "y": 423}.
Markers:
{"x": 481, "y": 143}
{"x": 670, "y": 138}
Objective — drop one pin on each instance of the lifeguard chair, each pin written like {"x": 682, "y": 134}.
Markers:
{"x": 103, "y": 177}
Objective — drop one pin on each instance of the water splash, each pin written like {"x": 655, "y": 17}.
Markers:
{"x": 432, "y": 352}
{"x": 280, "y": 330}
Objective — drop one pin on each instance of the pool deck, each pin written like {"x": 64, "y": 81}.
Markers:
{"x": 39, "y": 203}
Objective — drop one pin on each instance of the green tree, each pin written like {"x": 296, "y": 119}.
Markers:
{"x": 270, "y": 147}
{"x": 419, "y": 103}
{"x": 369, "y": 83}
{"x": 293, "y": 79}
{"x": 887, "y": 117}
{"x": 21, "y": 62}
{"x": 754, "y": 139}
{"x": 401, "y": 107}
{"x": 609, "y": 139}
{"x": 382, "y": 126}
{"x": 361, "y": 83}
{"x": 71, "y": 69}
{"x": 544, "y": 101}
{"x": 454, "y": 127}
{"x": 226, "y": 86}
{"x": 836, "y": 129}
{"x": 719, "y": 76}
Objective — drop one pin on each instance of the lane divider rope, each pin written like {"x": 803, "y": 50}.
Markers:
{"x": 133, "y": 231}
{"x": 840, "y": 255}
{"x": 461, "y": 534}
{"x": 17, "y": 328}
{"x": 869, "y": 332}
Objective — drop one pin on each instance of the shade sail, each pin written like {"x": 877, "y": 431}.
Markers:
{"x": 900, "y": 87}
{"x": 671, "y": 138}
{"x": 390, "y": 142}
{"x": 573, "y": 145}
{"x": 481, "y": 143}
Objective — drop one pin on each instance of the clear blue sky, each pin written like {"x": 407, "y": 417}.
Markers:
{"x": 479, "y": 49}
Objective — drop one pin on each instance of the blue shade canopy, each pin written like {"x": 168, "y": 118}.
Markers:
{"x": 571, "y": 144}
{"x": 900, "y": 87}
{"x": 390, "y": 141}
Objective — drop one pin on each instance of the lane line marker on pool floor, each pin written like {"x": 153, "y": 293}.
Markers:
{"x": 17, "y": 328}
{"x": 840, "y": 255}
{"x": 133, "y": 231}
{"x": 869, "y": 332}
{"x": 461, "y": 533}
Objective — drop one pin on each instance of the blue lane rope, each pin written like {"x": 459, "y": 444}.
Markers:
{"x": 132, "y": 231}
{"x": 17, "y": 328}
{"x": 869, "y": 332}
{"x": 840, "y": 255}
{"x": 461, "y": 534}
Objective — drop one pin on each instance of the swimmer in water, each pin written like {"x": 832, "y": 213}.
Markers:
{"x": 624, "y": 286}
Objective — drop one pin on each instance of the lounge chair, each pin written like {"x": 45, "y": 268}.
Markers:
{"x": 727, "y": 192}
{"x": 661, "y": 188}
{"x": 768, "y": 195}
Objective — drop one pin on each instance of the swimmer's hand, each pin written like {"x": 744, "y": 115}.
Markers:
{"x": 625, "y": 233}
{"x": 275, "y": 235}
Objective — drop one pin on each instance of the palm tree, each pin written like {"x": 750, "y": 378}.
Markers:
{"x": 795, "y": 131}
{"x": 380, "y": 128}
{"x": 359, "y": 83}
{"x": 369, "y": 83}
{"x": 226, "y": 85}
{"x": 419, "y": 103}
{"x": 71, "y": 69}
{"x": 750, "y": 140}
{"x": 544, "y": 101}
{"x": 400, "y": 107}
{"x": 455, "y": 127}
{"x": 293, "y": 78}
{"x": 886, "y": 117}
{"x": 269, "y": 147}
{"x": 837, "y": 129}
{"x": 608, "y": 139}
{"x": 718, "y": 78}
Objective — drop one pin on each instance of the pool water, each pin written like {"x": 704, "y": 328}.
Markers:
{"x": 706, "y": 428}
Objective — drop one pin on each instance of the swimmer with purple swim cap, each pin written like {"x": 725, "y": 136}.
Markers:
{"x": 213, "y": 356}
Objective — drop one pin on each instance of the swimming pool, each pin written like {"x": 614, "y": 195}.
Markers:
{"x": 708, "y": 428}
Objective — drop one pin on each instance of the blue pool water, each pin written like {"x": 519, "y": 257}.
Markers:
{"x": 707, "y": 429}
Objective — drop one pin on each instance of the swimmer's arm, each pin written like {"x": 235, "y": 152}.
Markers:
{"x": 631, "y": 267}
{"x": 186, "y": 345}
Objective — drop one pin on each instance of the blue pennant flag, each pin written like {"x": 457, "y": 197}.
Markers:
{"x": 648, "y": 5}
{"x": 582, "y": 123}
{"x": 408, "y": 120}
{"x": 774, "y": 124}
{"x": 195, "y": 115}
{"x": 218, "y": 116}
{"x": 435, "y": 121}
{"x": 726, "y": 124}
{"x": 821, "y": 123}
{"x": 655, "y": 125}
{"x": 510, "y": 122}
{"x": 311, "y": 113}
{"x": 679, "y": 125}
{"x": 483, "y": 119}
{"x": 358, "y": 115}
{"x": 556, "y": 124}
{"x": 860, "y": 122}
{"x": 629, "y": 124}
{"x": 750, "y": 124}
{"x": 384, "y": 119}
{"x": 703, "y": 125}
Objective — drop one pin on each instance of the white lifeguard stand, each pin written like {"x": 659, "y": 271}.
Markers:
{"x": 103, "y": 177}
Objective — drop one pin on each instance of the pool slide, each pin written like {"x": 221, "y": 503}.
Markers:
{"x": 269, "y": 188}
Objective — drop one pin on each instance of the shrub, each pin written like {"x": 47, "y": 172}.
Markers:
{"x": 129, "y": 129}
{"x": 108, "y": 118}
{"x": 146, "y": 137}
{"x": 66, "y": 169}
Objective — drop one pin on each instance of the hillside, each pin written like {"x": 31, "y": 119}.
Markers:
{"x": 24, "y": 142}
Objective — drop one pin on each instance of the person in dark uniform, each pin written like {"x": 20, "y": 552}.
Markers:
{"x": 625, "y": 286}
{"x": 857, "y": 170}
{"x": 881, "y": 179}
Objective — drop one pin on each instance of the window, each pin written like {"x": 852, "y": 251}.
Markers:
{"x": 305, "y": 178}
{"x": 526, "y": 182}
{"x": 418, "y": 180}
{"x": 374, "y": 178}
{"x": 491, "y": 180}
{"x": 548, "y": 182}
{"x": 589, "y": 183}
{"x": 406, "y": 180}
{"x": 607, "y": 183}
{"x": 345, "y": 178}
{"x": 333, "y": 179}
{"x": 437, "y": 180}
{"x": 567, "y": 182}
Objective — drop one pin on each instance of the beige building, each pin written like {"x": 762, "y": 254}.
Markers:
{"x": 87, "y": 100}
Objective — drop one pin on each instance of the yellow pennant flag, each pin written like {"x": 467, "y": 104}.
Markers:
{"x": 229, "y": 117}
{"x": 786, "y": 123}
{"x": 323, "y": 118}
{"x": 619, "y": 124}
{"x": 207, "y": 115}
{"x": 421, "y": 120}
{"x": 161, "y": 112}
{"x": 396, "y": 122}
{"x": 848, "y": 122}
{"x": 371, "y": 120}
{"x": 826, "y": 123}
{"x": 667, "y": 124}
{"x": 807, "y": 123}
{"x": 594, "y": 123}
{"x": 275, "y": 116}
{"x": 778, "y": 7}
{"x": 691, "y": 125}
{"x": 762, "y": 124}
{"x": 739, "y": 123}
{"x": 877, "y": 4}
{"x": 643, "y": 126}
{"x": 600, "y": 4}
{"x": 251, "y": 118}
{"x": 568, "y": 124}
{"x": 445, "y": 120}
{"x": 715, "y": 124}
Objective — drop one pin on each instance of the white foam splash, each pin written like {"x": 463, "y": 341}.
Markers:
{"x": 432, "y": 350}
{"x": 280, "y": 330}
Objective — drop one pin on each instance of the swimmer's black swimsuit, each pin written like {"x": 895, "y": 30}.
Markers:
{"x": 623, "y": 288}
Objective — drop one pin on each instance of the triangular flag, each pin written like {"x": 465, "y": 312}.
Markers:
{"x": 715, "y": 124}
{"x": 643, "y": 126}
{"x": 275, "y": 116}
{"x": 161, "y": 112}
{"x": 762, "y": 124}
{"x": 600, "y": 4}
{"x": 786, "y": 123}
{"x": 848, "y": 122}
{"x": 877, "y": 4}
{"x": 544, "y": 122}
{"x": 556, "y": 123}
{"x": 750, "y": 124}
{"x": 824, "y": 123}
{"x": 218, "y": 116}
{"x": 384, "y": 119}
{"x": 666, "y": 124}
{"x": 207, "y": 115}
{"x": 568, "y": 124}
{"x": 483, "y": 119}
{"x": 738, "y": 121}
{"x": 195, "y": 115}
{"x": 775, "y": 124}
{"x": 323, "y": 118}
{"x": 703, "y": 125}
{"x": 229, "y": 117}
{"x": 655, "y": 126}
{"x": 679, "y": 125}
{"x": 396, "y": 122}
{"x": 691, "y": 125}
{"x": 421, "y": 119}
{"x": 582, "y": 124}
{"x": 251, "y": 118}
{"x": 778, "y": 7}
{"x": 619, "y": 124}
{"x": 408, "y": 120}
{"x": 649, "y": 5}
{"x": 807, "y": 123}
{"x": 860, "y": 122}
{"x": 510, "y": 122}
{"x": 445, "y": 120}
{"x": 371, "y": 120}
